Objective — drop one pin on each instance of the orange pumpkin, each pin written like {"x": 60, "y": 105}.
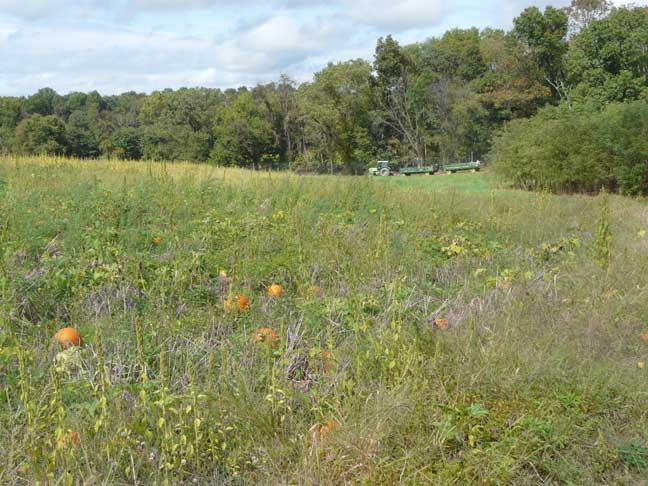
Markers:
{"x": 319, "y": 431}
{"x": 71, "y": 439}
{"x": 328, "y": 426}
{"x": 266, "y": 335}
{"x": 243, "y": 302}
{"x": 67, "y": 337}
{"x": 441, "y": 323}
{"x": 326, "y": 361}
{"x": 315, "y": 291}
{"x": 275, "y": 290}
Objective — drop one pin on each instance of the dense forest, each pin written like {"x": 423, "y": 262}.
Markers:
{"x": 485, "y": 94}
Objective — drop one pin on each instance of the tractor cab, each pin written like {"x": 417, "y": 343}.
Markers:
{"x": 382, "y": 169}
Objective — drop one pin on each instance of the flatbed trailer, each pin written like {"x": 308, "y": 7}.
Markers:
{"x": 471, "y": 166}
{"x": 384, "y": 168}
{"x": 408, "y": 171}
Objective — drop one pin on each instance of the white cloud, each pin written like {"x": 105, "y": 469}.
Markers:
{"x": 35, "y": 9}
{"x": 86, "y": 45}
{"x": 400, "y": 15}
{"x": 511, "y": 8}
{"x": 114, "y": 59}
{"x": 81, "y": 9}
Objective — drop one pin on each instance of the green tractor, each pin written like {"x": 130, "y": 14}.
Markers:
{"x": 384, "y": 168}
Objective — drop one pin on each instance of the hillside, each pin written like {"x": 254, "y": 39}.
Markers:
{"x": 432, "y": 330}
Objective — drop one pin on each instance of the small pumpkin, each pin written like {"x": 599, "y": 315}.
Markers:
{"x": 644, "y": 337}
{"x": 266, "y": 335}
{"x": 325, "y": 361}
{"x": 275, "y": 290}
{"x": 241, "y": 302}
{"x": 69, "y": 439}
{"x": 315, "y": 291}
{"x": 67, "y": 337}
{"x": 441, "y": 323}
{"x": 318, "y": 432}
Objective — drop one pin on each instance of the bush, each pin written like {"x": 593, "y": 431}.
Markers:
{"x": 577, "y": 149}
{"x": 42, "y": 135}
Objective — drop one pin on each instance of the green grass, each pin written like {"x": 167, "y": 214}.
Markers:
{"x": 535, "y": 381}
{"x": 461, "y": 182}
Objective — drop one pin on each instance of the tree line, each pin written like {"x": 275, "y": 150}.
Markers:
{"x": 443, "y": 99}
{"x": 595, "y": 134}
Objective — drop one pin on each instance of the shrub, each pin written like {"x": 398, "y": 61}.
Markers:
{"x": 577, "y": 149}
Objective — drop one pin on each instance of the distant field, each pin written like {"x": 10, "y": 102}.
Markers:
{"x": 461, "y": 181}
{"x": 427, "y": 330}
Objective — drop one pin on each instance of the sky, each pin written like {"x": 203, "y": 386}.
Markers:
{"x": 114, "y": 46}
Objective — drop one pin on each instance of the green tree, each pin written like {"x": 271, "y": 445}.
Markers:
{"x": 10, "y": 114}
{"x": 582, "y": 13}
{"x": 578, "y": 148}
{"x": 336, "y": 108}
{"x": 459, "y": 55}
{"x": 177, "y": 125}
{"x": 512, "y": 85}
{"x": 608, "y": 60}
{"x": 398, "y": 103}
{"x": 126, "y": 143}
{"x": 44, "y": 102}
{"x": 446, "y": 90}
{"x": 42, "y": 135}
{"x": 287, "y": 98}
{"x": 81, "y": 140}
{"x": 243, "y": 134}
{"x": 544, "y": 38}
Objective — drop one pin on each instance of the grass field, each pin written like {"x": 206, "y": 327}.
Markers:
{"x": 460, "y": 182}
{"x": 432, "y": 330}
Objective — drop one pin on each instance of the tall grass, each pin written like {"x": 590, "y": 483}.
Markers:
{"x": 536, "y": 379}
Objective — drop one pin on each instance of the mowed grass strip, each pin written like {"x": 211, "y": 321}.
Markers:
{"x": 424, "y": 333}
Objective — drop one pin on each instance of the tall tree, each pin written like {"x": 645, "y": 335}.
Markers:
{"x": 512, "y": 86}
{"x": 126, "y": 143}
{"x": 177, "y": 125}
{"x": 243, "y": 135}
{"x": 544, "y": 38}
{"x": 44, "y": 102}
{"x": 286, "y": 92}
{"x": 608, "y": 60}
{"x": 336, "y": 107}
{"x": 80, "y": 138}
{"x": 398, "y": 104}
{"x": 582, "y": 13}
{"x": 41, "y": 135}
{"x": 10, "y": 114}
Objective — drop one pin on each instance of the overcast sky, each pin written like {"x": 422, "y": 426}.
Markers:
{"x": 143, "y": 45}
